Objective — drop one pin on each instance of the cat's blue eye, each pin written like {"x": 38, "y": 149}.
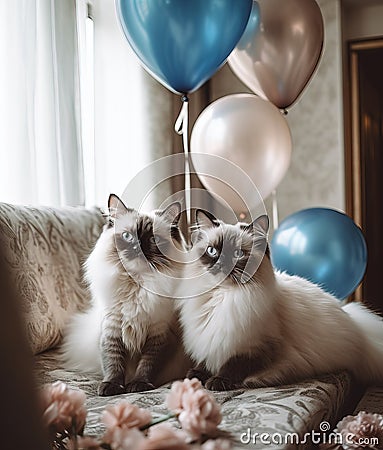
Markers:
{"x": 238, "y": 253}
{"x": 127, "y": 236}
{"x": 211, "y": 251}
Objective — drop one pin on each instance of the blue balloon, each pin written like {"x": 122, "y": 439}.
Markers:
{"x": 323, "y": 246}
{"x": 183, "y": 42}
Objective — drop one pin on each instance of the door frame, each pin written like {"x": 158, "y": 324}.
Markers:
{"x": 353, "y": 163}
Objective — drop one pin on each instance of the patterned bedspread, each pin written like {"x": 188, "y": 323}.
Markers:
{"x": 275, "y": 412}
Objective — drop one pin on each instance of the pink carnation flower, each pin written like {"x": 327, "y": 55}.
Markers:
{"x": 63, "y": 407}
{"x": 357, "y": 431}
{"x": 84, "y": 442}
{"x": 216, "y": 444}
{"x": 124, "y": 438}
{"x": 174, "y": 400}
{"x": 164, "y": 437}
{"x": 126, "y": 415}
{"x": 200, "y": 415}
{"x": 119, "y": 420}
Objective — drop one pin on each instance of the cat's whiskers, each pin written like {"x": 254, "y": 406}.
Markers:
{"x": 235, "y": 278}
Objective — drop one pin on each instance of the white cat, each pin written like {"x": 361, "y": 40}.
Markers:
{"x": 247, "y": 325}
{"x": 129, "y": 332}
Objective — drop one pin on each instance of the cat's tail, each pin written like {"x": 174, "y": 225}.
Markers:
{"x": 371, "y": 326}
{"x": 80, "y": 349}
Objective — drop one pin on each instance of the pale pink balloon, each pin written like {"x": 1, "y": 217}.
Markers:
{"x": 280, "y": 49}
{"x": 251, "y": 133}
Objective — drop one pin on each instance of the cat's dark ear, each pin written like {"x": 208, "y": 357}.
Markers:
{"x": 259, "y": 226}
{"x": 205, "y": 220}
{"x": 171, "y": 213}
{"x": 116, "y": 206}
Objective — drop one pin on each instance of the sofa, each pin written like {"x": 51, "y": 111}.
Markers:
{"x": 45, "y": 248}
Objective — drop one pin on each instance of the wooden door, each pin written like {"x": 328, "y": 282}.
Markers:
{"x": 364, "y": 157}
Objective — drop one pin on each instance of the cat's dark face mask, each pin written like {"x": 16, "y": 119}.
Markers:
{"x": 233, "y": 253}
{"x": 140, "y": 241}
{"x": 145, "y": 242}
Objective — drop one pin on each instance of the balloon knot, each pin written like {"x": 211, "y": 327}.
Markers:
{"x": 185, "y": 98}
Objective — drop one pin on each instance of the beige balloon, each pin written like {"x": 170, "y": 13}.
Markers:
{"x": 280, "y": 49}
{"x": 251, "y": 133}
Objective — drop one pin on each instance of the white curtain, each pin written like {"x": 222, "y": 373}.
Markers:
{"x": 40, "y": 136}
{"x": 134, "y": 122}
{"x": 79, "y": 117}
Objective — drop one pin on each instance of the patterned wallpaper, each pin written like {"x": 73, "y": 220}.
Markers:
{"x": 316, "y": 174}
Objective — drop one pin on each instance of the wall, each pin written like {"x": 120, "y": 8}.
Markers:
{"x": 362, "y": 20}
{"x": 316, "y": 174}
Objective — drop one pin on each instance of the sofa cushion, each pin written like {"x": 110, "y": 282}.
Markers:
{"x": 45, "y": 249}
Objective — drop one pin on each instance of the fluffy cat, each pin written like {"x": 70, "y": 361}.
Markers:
{"x": 250, "y": 326}
{"x": 129, "y": 330}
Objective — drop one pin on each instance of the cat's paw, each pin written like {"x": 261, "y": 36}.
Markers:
{"x": 108, "y": 388}
{"x": 201, "y": 375}
{"x": 220, "y": 384}
{"x": 139, "y": 386}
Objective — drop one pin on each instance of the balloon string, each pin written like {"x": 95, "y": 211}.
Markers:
{"x": 182, "y": 127}
{"x": 275, "y": 210}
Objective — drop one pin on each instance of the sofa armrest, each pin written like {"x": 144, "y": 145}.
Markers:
{"x": 44, "y": 250}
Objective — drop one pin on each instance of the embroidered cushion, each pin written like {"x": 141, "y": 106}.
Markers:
{"x": 45, "y": 249}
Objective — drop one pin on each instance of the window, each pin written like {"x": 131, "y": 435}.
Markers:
{"x": 85, "y": 26}
{"x": 79, "y": 116}
{"x": 113, "y": 106}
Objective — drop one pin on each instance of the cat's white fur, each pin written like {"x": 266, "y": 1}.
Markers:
{"x": 317, "y": 335}
{"x": 134, "y": 293}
